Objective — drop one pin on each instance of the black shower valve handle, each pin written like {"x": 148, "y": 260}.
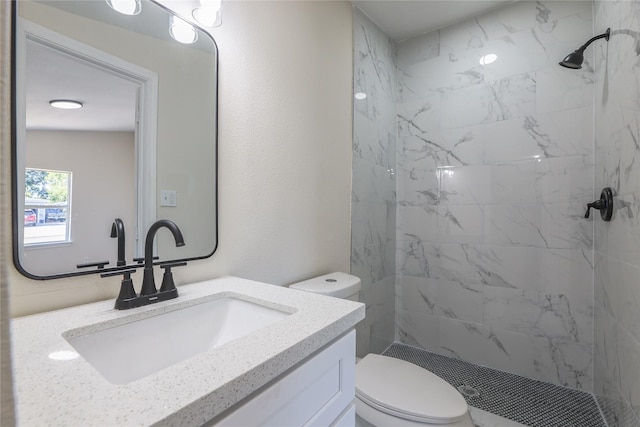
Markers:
{"x": 598, "y": 204}
{"x": 604, "y": 205}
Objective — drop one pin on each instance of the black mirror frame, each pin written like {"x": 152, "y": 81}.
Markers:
{"x": 14, "y": 169}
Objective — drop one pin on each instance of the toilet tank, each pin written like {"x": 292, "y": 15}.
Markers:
{"x": 338, "y": 285}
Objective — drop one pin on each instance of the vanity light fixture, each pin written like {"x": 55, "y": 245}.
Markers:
{"x": 182, "y": 31}
{"x": 208, "y": 14}
{"x": 488, "y": 59}
{"x": 126, "y": 7}
{"x": 65, "y": 104}
{"x": 575, "y": 58}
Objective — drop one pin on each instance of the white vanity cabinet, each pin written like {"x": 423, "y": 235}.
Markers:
{"x": 318, "y": 392}
{"x": 298, "y": 370}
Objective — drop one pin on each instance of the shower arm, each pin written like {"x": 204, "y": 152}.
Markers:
{"x": 604, "y": 35}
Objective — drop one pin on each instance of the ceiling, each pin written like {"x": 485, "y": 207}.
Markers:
{"x": 109, "y": 99}
{"x": 401, "y": 19}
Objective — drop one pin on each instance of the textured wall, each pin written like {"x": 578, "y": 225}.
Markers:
{"x": 373, "y": 196}
{"x": 495, "y": 163}
{"x": 7, "y": 413}
{"x": 617, "y": 243}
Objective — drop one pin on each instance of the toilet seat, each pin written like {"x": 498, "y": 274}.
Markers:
{"x": 404, "y": 390}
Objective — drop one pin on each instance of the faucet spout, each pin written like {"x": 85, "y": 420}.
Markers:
{"x": 117, "y": 230}
{"x": 148, "y": 282}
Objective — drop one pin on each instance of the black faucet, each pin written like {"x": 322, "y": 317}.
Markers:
{"x": 117, "y": 230}
{"x": 148, "y": 282}
{"x": 148, "y": 294}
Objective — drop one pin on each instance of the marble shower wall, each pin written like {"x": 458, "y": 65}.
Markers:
{"x": 373, "y": 211}
{"x": 495, "y": 168}
{"x": 617, "y": 243}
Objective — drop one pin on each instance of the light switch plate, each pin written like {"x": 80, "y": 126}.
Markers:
{"x": 168, "y": 198}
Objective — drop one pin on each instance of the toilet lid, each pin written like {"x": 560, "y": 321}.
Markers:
{"x": 407, "y": 391}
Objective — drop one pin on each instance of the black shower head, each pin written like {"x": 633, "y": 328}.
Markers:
{"x": 574, "y": 59}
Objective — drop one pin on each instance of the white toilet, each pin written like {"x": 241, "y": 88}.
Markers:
{"x": 389, "y": 391}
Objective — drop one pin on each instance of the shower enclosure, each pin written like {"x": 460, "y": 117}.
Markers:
{"x": 470, "y": 184}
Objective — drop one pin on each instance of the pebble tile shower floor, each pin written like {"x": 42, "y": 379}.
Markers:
{"x": 527, "y": 401}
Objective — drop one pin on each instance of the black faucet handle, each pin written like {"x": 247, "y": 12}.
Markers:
{"x": 172, "y": 264}
{"x": 126, "y": 272}
{"x": 140, "y": 260}
{"x": 167, "y": 277}
{"x": 126, "y": 297}
{"x": 99, "y": 264}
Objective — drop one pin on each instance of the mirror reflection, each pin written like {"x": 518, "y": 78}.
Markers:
{"x": 116, "y": 124}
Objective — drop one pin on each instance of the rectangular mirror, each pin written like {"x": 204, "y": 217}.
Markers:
{"x": 141, "y": 147}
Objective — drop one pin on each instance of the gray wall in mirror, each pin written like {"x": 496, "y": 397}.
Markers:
{"x": 121, "y": 166}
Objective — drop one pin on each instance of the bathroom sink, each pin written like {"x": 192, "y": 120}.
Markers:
{"x": 137, "y": 347}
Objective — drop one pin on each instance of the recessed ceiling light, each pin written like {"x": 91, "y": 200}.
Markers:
{"x": 360, "y": 95}
{"x": 65, "y": 104}
{"x": 488, "y": 59}
{"x": 126, "y": 7}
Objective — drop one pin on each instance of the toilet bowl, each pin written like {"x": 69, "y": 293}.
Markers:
{"x": 389, "y": 391}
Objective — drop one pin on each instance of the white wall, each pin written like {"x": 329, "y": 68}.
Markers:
{"x": 284, "y": 154}
{"x": 103, "y": 170}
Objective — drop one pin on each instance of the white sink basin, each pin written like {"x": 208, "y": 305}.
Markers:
{"x": 134, "y": 347}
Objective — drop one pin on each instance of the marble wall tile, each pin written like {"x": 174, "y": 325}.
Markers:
{"x": 473, "y": 33}
{"x": 564, "y": 179}
{"x": 419, "y": 49}
{"x": 616, "y": 379}
{"x": 442, "y": 148}
{"x": 619, "y": 293}
{"x": 374, "y": 54}
{"x": 441, "y": 223}
{"x": 417, "y": 187}
{"x": 519, "y": 267}
{"x": 372, "y": 142}
{"x": 620, "y": 237}
{"x": 503, "y": 99}
{"x": 419, "y": 330}
{"x": 465, "y": 185}
{"x": 617, "y": 114}
{"x": 618, "y": 158}
{"x": 514, "y": 182}
{"x": 552, "y": 225}
{"x": 440, "y": 298}
{"x": 539, "y": 136}
{"x": 369, "y": 224}
{"x": 373, "y": 183}
{"x": 556, "y": 316}
{"x": 562, "y": 89}
{"x": 441, "y": 74}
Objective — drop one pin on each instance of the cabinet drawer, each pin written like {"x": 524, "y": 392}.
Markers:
{"x": 313, "y": 394}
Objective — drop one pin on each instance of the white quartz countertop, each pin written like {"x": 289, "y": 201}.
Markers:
{"x": 189, "y": 393}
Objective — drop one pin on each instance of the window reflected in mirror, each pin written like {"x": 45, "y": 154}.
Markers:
{"x": 47, "y": 197}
